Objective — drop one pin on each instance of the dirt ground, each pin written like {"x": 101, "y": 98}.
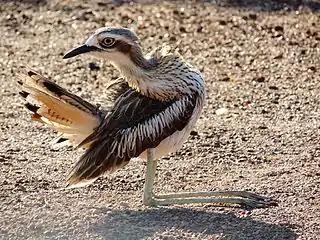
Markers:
{"x": 261, "y": 63}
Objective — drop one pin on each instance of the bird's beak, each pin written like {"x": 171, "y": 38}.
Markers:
{"x": 79, "y": 50}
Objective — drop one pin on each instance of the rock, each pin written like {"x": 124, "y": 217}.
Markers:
{"x": 199, "y": 29}
{"x": 280, "y": 56}
{"x": 312, "y": 68}
{"x": 260, "y": 79}
{"x": 279, "y": 28}
{"x": 222, "y": 22}
{"x": 222, "y": 111}
{"x": 194, "y": 133}
{"x": 273, "y": 88}
{"x": 93, "y": 67}
{"x": 182, "y": 29}
{"x": 253, "y": 16}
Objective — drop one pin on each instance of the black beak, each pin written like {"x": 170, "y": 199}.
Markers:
{"x": 79, "y": 50}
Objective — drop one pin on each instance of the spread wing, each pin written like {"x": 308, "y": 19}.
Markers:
{"x": 135, "y": 124}
{"x": 73, "y": 117}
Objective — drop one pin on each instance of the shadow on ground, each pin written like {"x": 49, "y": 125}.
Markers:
{"x": 258, "y": 5}
{"x": 147, "y": 223}
{"x": 271, "y": 5}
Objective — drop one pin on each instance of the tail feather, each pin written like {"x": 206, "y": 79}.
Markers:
{"x": 63, "y": 111}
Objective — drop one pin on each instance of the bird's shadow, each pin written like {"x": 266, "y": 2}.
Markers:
{"x": 132, "y": 224}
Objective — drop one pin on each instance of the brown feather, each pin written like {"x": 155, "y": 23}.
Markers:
{"x": 135, "y": 124}
{"x": 65, "y": 112}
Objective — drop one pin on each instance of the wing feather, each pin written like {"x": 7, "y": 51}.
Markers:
{"x": 63, "y": 111}
{"x": 135, "y": 124}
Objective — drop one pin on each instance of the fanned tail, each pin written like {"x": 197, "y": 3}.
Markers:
{"x": 63, "y": 111}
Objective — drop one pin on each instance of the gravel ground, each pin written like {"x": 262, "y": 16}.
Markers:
{"x": 261, "y": 65}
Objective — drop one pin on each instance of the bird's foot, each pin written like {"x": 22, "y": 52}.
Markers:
{"x": 246, "y": 200}
{"x": 252, "y": 200}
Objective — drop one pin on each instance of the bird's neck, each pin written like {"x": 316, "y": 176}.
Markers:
{"x": 141, "y": 77}
{"x": 142, "y": 74}
{"x": 134, "y": 65}
{"x": 156, "y": 77}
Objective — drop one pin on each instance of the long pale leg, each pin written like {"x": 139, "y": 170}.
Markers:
{"x": 148, "y": 198}
{"x": 243, "y": 198}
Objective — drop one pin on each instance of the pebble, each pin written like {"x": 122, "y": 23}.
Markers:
{"x": 273, "y": 88}
{"x": 222, "y": 111}
{"x": 260, "y": 79}
{"x": 279, "y": 28}
{"x": 253, "y": 16}
{"x": 93, "y": 67}
{"x": 194, "y": 133}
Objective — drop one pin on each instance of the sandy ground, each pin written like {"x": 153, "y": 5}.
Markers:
{"x": 262, "y": 65}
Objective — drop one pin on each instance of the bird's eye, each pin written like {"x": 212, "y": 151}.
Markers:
{"x": 108, "y": 42}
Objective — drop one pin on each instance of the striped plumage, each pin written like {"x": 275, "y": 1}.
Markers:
{"x": 156, "y": 109}
{"x": 150, "y": 110}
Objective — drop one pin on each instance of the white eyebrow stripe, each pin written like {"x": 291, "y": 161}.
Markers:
{"x": 115, "y": 36}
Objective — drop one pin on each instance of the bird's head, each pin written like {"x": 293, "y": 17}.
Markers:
{"x": 120, "y": 46}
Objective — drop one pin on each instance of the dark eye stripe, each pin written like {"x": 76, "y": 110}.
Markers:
{"x": 122, "y": 46}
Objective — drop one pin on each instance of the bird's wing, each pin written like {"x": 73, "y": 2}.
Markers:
{"x": 135, "y": 124}
{"x": 63, "y": 111}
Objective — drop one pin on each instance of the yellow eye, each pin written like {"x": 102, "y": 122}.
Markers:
{"x": 107, "y": 42}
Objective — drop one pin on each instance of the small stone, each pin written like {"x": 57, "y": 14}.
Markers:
{"x": 173, "y": 38}
{"x": 253, "y": 16}
{"x": 225, "y": 79}
{"x": 222, "y": 22}
{"x": 182, "y": 29}
{"x": 312, "y": 68}
{"x": 260, "y": 79}
{"x": 222, "y": 111}
{"x": 273, "y": 88}
{"x": 280, "y": 56}
{"x": 93, "y": 67}
{"x": 311, "y": 33}
{"x": 279, "y": 28}
{"x": 194, "y": 133}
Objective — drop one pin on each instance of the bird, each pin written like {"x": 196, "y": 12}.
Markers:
{"x": 150, "y": 111}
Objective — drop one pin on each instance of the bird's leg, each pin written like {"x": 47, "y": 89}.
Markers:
{"x": 243, "y": 198}
{"x": 148, "y": 198}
